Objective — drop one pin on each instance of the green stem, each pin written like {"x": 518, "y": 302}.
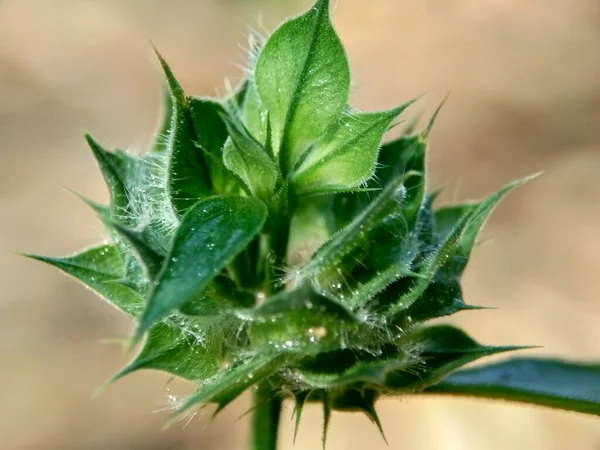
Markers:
{"x": 265, "y": 424}
{"x": 267, "y": 405}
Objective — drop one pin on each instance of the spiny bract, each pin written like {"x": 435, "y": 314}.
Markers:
{"x": 202, "y": 231}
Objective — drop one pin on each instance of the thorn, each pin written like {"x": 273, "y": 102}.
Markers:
{"x": 300, "y": 400}
{"x": 326, "y": 417}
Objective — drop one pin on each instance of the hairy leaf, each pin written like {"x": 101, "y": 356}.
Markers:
{"x": 345, "y": 157}
{"x": 303, "y": 79}
{"x": 170, "y": 349}
{"x": 100, "y": 268}
{"x": 210, "y": 235}
{"x": 441, "y": 349}
{"x": 187, "y": 174}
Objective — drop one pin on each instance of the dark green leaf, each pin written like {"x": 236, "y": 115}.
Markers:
{"x": 545, "y": 382}
{"x": 187, "y": 175}
{"x": 211, "y": 134}
{"x": 451, "y": 245}
{"x": 303, "y": 79}
{"x": 115, "y": 168}
{"x": 210, "y": 235}
{"x": 439, "y": 350}
{"x": 100, "y": 268}
{"x": 439, "y": 299}
{"x": 345, "y": 240}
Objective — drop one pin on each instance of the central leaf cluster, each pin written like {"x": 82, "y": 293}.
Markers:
{"x": 203, "y": 226}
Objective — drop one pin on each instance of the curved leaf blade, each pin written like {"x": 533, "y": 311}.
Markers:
{"x": 100, "y": 268}
{"x": 345, "y": 157}
{"x": 169, "y": 349}
{"x": 210, "y": 235}
{"x": 545, "y": 382}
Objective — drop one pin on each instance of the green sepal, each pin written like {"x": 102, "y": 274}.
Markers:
{"x": 546, "y": 382}
{"x": 100, "y": 268}
{"x": 209, "y": 236}
{"x": 303, "y": 80}
{"x": 187, "y": 177}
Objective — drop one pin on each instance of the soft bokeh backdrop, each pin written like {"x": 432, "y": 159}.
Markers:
{"x": 523, "y": 77}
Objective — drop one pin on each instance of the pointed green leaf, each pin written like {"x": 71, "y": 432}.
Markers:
{"x": 114, "y": 167}
{"x": 229, "y": 384}
{"x": 439, "y": 299}
{"x": 100, "y": 268}
{"x": 187, "y": 174}
{"x": 451, "y": 244}
{"x": 344, "y": 241}
{"x": 545, "y": 382}
{"x": 148, "y": 257}
{"x": 245, "y": 157}
{"x": 210, "y": 235}
{"x": 441, "y": 350}
{"x": 303, "y": 79}
{"x": 345, "y": 157}
{"x": 478, "y": 213}
{"x": 168, "y": 348}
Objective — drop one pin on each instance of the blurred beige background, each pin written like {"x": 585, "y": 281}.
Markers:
{"x": 524, "y": 78}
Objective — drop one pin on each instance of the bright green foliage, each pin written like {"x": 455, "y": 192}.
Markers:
{"x": 202, "y": 232}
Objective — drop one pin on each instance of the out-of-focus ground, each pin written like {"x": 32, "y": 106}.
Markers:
{"x": 524, "y": 78}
